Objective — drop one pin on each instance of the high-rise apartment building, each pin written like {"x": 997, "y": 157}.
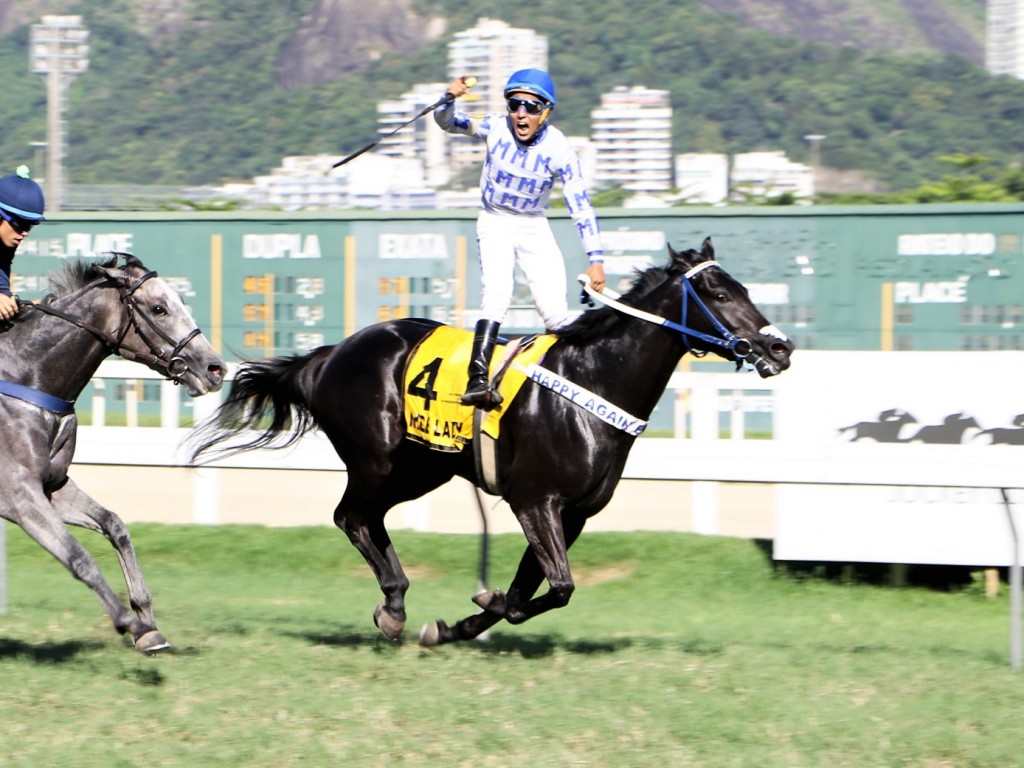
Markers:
{"x": 1004, "y": 37}
{"x": 632, "y": 135}
{"x": 490, "y": 52}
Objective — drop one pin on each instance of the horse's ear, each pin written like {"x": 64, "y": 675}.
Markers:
{"x": 130, "y": 259}
{"x": 707, "y": 250}
{"x": 110, "y": 272}
{"x": 109, "y": 268}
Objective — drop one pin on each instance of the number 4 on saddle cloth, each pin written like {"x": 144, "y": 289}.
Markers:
{"x": 437, "y": 374}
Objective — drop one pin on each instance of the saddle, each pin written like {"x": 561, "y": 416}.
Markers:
{"x": 435, "y": 378}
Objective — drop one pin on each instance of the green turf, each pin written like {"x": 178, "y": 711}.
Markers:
{"x": 676, "y": 650}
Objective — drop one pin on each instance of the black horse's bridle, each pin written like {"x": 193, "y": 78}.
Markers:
{"x": 171, "y": 364}
{"x": 741, "y": 348}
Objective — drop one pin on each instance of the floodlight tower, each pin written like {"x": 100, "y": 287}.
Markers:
{"x": 59, "y": 49}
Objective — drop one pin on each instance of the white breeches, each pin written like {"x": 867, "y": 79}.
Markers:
{"x": 505, "y": 241}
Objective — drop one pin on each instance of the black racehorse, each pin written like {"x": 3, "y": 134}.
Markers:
{"x": 48, "y": 353}
{"x": 558, "y": 463}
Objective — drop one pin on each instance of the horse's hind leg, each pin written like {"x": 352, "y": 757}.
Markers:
{"x": 76, "y": 508}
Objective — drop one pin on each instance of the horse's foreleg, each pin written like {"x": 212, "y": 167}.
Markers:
{"x": 550, "y": 531}
{"x": 42, "y": 524}
{"x": 77, "y": 508}
{"x": 371, "y": 539}
{"x": 495, "y": 604}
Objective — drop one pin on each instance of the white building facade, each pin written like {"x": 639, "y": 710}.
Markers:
{"x": 1004, "y": 37}
{"x": 702, "y": 178}
{"x": 763, "y": 175}
{"x": 490, "y": 52}
{"x": 422, "y": 139}
{"x": 632, "y": 135}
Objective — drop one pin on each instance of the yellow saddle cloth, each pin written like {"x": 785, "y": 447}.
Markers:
{"x": 436, "y": 376}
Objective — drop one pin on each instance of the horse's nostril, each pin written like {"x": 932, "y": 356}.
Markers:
{"x": 779, "y": 349}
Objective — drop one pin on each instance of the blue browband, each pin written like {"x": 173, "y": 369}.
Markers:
{"x": 34, "y": 396}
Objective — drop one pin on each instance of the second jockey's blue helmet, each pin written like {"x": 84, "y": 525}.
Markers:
{"x": 535, "y": 81}
{"x": 21, "y": 196}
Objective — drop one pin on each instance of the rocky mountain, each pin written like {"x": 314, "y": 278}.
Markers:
{"x": 892, "y": 26}
{"x": 201, "y": 91}
{"x": 339, "y": 37}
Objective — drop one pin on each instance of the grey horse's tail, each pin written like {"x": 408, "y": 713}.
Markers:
{"x": 277, "y": 389}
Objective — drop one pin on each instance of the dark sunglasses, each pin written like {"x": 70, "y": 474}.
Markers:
{"x": 532, "y": 106}
{"x": 18, "y": 224}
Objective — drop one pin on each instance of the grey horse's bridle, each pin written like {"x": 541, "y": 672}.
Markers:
{"x": 171, "y": 364}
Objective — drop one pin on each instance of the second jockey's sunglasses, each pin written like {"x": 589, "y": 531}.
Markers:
{"x": 532, "y": 106}
{"x": 18, "y": 224}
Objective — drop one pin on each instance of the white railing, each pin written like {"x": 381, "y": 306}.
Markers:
{"x": 832, "y": 520}
{"x": 703, "y": 456}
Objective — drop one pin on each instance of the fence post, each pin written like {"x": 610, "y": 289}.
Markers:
{"x": 3, "y": 567}
{"x": 170, "y": 405}
{"x": 131, "y": 403}
{"x": 99, "y": 403}
{"x": 205, "y": 480}
{"x": 1015, "y": 589}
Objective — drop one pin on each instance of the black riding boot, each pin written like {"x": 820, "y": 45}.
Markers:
{"x": 479, "y": 392}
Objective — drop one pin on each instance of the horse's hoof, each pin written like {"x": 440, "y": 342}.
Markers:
{"x": 492, "y": 602}
{"x": 430, "y": 635}
{"x": 386, "y": 623}
{"x": 151, "y": 642}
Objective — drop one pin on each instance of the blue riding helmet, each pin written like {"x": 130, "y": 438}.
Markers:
{"x": 535, "y": 81}
{"x": 21, "y": 196}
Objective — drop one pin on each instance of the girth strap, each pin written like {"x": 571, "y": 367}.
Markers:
{"x": 36, "y": 397}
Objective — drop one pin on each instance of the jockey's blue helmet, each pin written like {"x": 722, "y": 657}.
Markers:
{"x": 21, "y": 196}
{"x": 535, "y": 81}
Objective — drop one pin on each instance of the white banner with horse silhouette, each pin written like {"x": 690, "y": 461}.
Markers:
{"x": 853, "y": 478}
{"x": 950, "y": 425}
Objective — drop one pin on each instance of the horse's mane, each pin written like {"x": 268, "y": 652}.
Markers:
{"x": 596, "y": 323}
{"x": 78, "y": 273}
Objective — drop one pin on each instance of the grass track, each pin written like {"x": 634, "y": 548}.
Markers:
{"x": 676, "y": 650}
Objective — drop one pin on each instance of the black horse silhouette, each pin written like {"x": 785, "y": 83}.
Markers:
{"x": 949, "y": 432}
{"x": 1006, "y": 435}
{"x": 885, "y": 430}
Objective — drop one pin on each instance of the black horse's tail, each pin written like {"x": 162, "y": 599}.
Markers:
{"x": 277, "y": 389}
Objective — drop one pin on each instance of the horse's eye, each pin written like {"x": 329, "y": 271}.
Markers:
{"x": 721, "y": 297}
{"x": 159, "y": 310}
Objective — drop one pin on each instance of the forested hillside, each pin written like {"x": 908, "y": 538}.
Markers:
{"x": 202, "y": 91}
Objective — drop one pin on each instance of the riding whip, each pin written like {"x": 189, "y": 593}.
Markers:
{"x": 448, "y": 99}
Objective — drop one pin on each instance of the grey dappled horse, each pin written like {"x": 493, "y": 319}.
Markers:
{"x": 48, "y": 353}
